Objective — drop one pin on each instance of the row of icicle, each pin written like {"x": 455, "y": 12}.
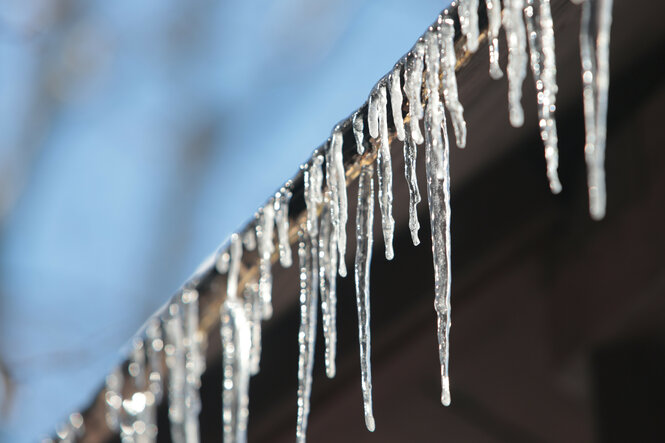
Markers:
{"x": 322, "y": 240}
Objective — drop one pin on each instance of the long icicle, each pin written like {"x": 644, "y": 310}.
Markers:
{"x": 282, "y": 222}
{"x": 468, "y": 18}
{"x": 307, "y": 333}
{"x": 595, "y": 80}
{"x": 364, "y": 240}
{"x": 336, "y": 177}
{"x": 236, "y": 335}
{"x": 493, "y": 28}
{"x": 396, "y": 100}
{"x": 413, "y": 83}
{"x": 446, "y": 33}
{"x": 379, "y": 101}
{"x": 438, "y": 195}
{"x": 264, "y": 237}
{"x": 433, "y": 109}
{"x": 328, "y": 290}
{"x": 513, "y": 23}
{"x": 540, "y": 30}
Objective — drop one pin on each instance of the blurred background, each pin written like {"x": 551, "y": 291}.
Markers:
{"x": 136, "y": 136}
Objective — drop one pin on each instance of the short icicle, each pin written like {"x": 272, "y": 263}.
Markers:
{"x": 413, "y": 84}
{"x": 253, "y": 311}
{"x": 307, "y": 333}
{"x": 540, "y": 30}
{"x": 438, "y": 195}
{"x": 364, "y": 240}
{"x": 513, "y": 23}
{"x": 175, "y": 362}
{"x": 358, "y": 129}
{"x": 264, "y": 237}
{"x": 194, "y": 363}
{"x": 282, "y": 222}
{"x": 595, "y": 79}
{"x": 396, "y": 99}
{"x": 410, "y": 153}
{"x": 449, "y": 79}
{"x": 468, "y": 18}
{"x": 493, "y": 28}
{"x": 379, "y": 102}
{"x": 336, "y": 178}
{"x": 313, "y": 178}
{"x": 236, "y": 338}
{"x": 328, "y": 289}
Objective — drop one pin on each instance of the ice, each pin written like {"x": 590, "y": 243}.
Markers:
{"x": 540, "y": 29}
{"x": 115, "y": 382}
{"x": 194, "y": 363}
{"x": 449, "y": 79}
{"x": 358, "y": 128}
{"x": 236, "y": 343}
{"x": 249, "y": 239}
{"x": 385, "y": 168}
{"x": 413, "y": 82}
{"x": 175, "y": 362}
{"x": 154, "y": 345}
{"x": 282, "y": 222}
{"x": 328, "y": 289}
{"x": 253, "y": 308}
{"x": 438, "y": 195}
{"x": 513, "y": 23}
{"x": 595, "y": 80}
{"x": 307, "y": 333}
{"x": 264, "y": 237}
{"x": 468, "y": 18}
{"x": 336, "y": 179}
{"x": 313, "y": 178}
{"x": 410, "y": 153}
{"x": 71, "y": 430}
{"x": 234, "y": 266}
{"x": 396, "y": 99}
{"x": 493, "y": 28}
{"x": 364, "y": 240}
{"x": 433, "y": 109}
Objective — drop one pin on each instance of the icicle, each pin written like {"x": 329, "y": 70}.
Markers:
{"x": 336, "y": 179}
{"x": 222, "y": 263}
{"x": 313, "y": 179}
{"x": 410, "y": 153}
{"x": 449, "y": 80}
{"x": 249, "y": 239}
{"x": 175, "y": 362}
{"x": 595, "y": 80}
{"x": 154, "y": 346}
{"x": 493, "y": 28}
{"x": 253, "y": 308}
{"x": 282, "y": 221}
{"x": 513, "y": 23}
{"x": 395, "y": 81}
{"x": 236, "y": 343}
{"x": 540, "y": 31}
{"x": 364, "y": 240}
{"x": 358, "y": 128}
{"x": 328, "y": 289}
{"x": 307, "y": 333}
{"x": 138, "y": 408}
{"x": 234, "y": 267}
{"x": 194, "y": 363}
{"x": 413, "y": 82}
{"x": 433, "y": 110}
{"x": 115, "y": 382}
{"x": 378, "y": 98}
{"x": 468, "y": 18}
{"x": 438, "y": 195}
{"x": 264, "y": 237}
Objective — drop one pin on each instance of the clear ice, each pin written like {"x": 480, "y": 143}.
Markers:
{"x": 175, "y": 362}
{"x": 385, "y": 168}
{"x": 413, "y": 83}
{"x": 253, "y": 311}
{"x": 264, "y": 237}
{"x": 513, "y": 23}
{"x": 358, "y": 128}
{"x": 438, "y": 195}
{"x": 194, "y": 363}
{"x": 449, "y": 80}
{"x": 410, "y": 153}
{"x": 336, "y": 178}
{"x": 328, "y": 289}
{"x": 307, "y": 333}
{"x": 434, "y": 115}
{"x": 493, "y": 28}
{"x": 282, "y": 222}
{"x": 595, "y": 80}
{"x": 364, "y": 240}
{"x": 396, "y": 99}
{"x": 540, "y": 30}
{"x": 468, "y": 18}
